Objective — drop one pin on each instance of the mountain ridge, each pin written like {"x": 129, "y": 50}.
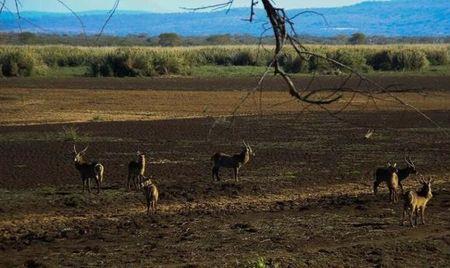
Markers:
{"x": 389, "y": 18}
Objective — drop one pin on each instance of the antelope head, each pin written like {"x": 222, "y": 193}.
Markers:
{"x": 426, "y": 183}
{"x": 78, "y": 156}
{"x": 392, "y": 168}
{"x": 248, "y": 149}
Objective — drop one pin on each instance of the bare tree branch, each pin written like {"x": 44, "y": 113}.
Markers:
{"x": 110, "y": 14}
{"x": 83, "y": 27}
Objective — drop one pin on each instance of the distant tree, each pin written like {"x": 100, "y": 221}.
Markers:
{"x": 357, "y": 39}
{"x": 26, "y": 37}
{"x": 169, "y": 40}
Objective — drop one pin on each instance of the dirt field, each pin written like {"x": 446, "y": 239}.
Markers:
{"x": 304, "y": 200}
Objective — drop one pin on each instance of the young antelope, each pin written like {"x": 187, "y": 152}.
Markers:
{"x": 151, "y": 194}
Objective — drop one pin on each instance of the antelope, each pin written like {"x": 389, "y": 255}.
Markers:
{"x": 382, "y": 174}
{"x": 88, "y": 170}
{"x": 151, "y": 194}
{"x": 416, "y": 201}
{"x": 136, "y": 170}
{"x": 393, "y": 183}
{"x": 227, "y": 161}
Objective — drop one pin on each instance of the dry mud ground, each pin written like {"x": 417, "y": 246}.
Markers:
{"x": 304, "y": 200}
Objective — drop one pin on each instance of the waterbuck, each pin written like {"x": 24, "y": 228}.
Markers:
{"x": 88, "y": 170}
{"x": 416, "y": 201}
{"x": 393, "y": 183}
{"x": 151, "y": 194}
{"x": 136, "y": 170}
{"x": 382, "y": 174}
{"x": 235, "y": 161}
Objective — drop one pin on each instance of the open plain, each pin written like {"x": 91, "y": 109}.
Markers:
{"x": 305, "y": 199}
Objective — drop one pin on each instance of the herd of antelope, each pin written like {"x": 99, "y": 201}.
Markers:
{"x": 414, "y": 201}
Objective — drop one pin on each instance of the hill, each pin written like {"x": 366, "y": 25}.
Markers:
{"x": 389, "y": 18}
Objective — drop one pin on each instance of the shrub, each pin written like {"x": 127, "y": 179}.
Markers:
{"x": 18, "y": 63}
{"x": 409, "y": 60}
{"x": 351, "y": 58}
{"x": 295, "y": 64}
{"x": 169, "y": 64}
{"x": 437, "y": 56}
{"x": 121, "y": 63}
{"x": 381, "y": 60}
{"x": 248, "y": 58}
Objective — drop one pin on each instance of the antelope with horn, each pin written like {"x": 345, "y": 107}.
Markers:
{"x": 235, "y": 161}
{"x": 383, "y": 175}
{"x": 88, "y": 170}
{"x": 415, "y": 201}
{"x": 136, "y": 170}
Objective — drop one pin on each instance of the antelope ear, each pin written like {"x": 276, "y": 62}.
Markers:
{"x": 395, "y": 165}
{"x": 389, "y": 164}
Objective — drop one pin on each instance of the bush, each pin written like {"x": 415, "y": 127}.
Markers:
{"x": 246, "y": 58}
{"x": 18, "y": 63}
{"x": 381, "y": 60}
{"x": 398, "y": 60}
{"x": 352, "y": 58}
{"x": 437, "y": 57}
{"x": 122, "y": 63}
{"x": 295, "y": 64}
{"x": 169, "y": 64}
{"x": 409, "y": 60}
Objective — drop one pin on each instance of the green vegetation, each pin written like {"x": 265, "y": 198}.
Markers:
{"x": 65, "y": 61}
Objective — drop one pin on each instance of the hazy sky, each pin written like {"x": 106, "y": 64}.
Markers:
{"x": 162, "y": 5}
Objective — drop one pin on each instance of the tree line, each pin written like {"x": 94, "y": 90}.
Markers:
{"x": 173, "y": 39}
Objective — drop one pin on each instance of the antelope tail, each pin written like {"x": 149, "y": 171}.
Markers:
{"x": 99, "y": 169}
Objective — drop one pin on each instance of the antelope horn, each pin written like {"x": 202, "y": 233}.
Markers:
{"x": 408, "y": 161}
{"x": 412, "y": 163}
{"x": 75, "y": 149}
{"x": 245, "y": 143}
{"x": 84, "y": 150}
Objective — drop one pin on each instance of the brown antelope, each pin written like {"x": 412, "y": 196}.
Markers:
{"x": 416, "y": 201}
{"x": 88, "y": 170}
{"x": 151, "y": 194}
{"x": 136, "y": 170}
{"x": 235, "y": 161}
